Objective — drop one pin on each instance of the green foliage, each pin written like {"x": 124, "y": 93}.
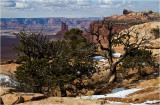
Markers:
{"x": 155, "y": 32}
{"x": 53, "y": 64}
{"x": 35, "y": 45}
{"x": 140, "y": 59}
{"x": 79, "y": 45}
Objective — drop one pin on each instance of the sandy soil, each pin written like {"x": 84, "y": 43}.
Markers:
{"x": 6, "y": 67}
{"x": 66, "y": 101}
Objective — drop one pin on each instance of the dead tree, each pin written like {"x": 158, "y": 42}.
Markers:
{"x": 130, "y": 39}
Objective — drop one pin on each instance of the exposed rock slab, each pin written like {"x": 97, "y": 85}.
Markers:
{"x": 31, "y": 96}
{"x": 10, "y": 99}
{"x": 6, "y": 90}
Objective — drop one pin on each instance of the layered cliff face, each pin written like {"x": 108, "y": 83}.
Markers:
{"x": 126, "y": 20}
{"x": 30, "y": 22}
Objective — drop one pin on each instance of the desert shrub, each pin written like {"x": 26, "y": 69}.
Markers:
{"x": 141, "y": 59}
{"x": 155, "y": 32}
{"x": 156, "y": 82}
{"x": 53, "y": 64}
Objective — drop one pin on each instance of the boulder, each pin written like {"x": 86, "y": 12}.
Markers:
{"x": 125, "y": 12}
{"x": 10, "y": 99}
{"x": 149, "y": 12}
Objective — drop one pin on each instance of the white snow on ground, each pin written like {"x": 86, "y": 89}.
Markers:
{"x": 120, "y": 94}
{"x": 3, "y": 77}
{"x": 147, "y": 102}
{"x": 103, "y": 60}
{"x": 97, "y": 58}
{"x": 117, "y": 55}
{"x": 7, "y": 81}
{"x": 117, "y": 90}
{"x": 100, "y": 58}
{"x": 123, "y": 93}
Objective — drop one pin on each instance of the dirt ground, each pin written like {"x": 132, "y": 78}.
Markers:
{"x": 150, "y": 91}
{"x": 4, "y": 68}
{"x": 67, "y": 101}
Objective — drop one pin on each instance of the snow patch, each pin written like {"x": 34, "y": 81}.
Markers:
{"x": 152, "y": 102}
{"x": 120, "y": 94}
{"x": 123, "y": 93}
{"x": 100, "y": 58}
{"x": 147, "y": 102}
{"x": 116, "y": 55}
{"x": 103, "y": 60}
{"x": 97, "y": 58}
{"x": 117, "y": 90}
{"x": 7, "y": 81}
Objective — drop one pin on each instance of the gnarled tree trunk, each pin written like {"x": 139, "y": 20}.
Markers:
{"x": 113, "y": 74}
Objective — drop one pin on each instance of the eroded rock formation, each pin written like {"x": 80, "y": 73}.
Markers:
{"x": 126, "y": 20}
{"x": 64, "y": 29}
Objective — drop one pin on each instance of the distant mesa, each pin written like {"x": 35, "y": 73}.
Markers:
{"x": 64, "y": 29}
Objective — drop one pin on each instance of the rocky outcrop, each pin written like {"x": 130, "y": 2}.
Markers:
{"x": 144, "y": 30}
{"x": 10, "y": 96}
{"x": 31, "y": 96}
{"x": 64, "y": 29}
{"x": 126, "y": 20}
{"x": 125, "y": 12}
{"x": 136, "y": 17}
{"x": 10, "y": 99}
{"x": 6, "y": 90}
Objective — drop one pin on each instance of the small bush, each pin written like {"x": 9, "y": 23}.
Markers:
{"x": 155, "y": 32}
{"x": 156, "y": 82}
{"x": 140, "y": 60}
{"x": 90, "y": 93}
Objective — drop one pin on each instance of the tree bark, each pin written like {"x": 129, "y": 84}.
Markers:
{"x": 63, "y": 92}
{"x": 113, "y": 75}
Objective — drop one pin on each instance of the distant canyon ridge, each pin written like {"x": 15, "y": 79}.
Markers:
{"x": 50, "y": 26}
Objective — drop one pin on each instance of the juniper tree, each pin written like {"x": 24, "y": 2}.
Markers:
{"x": 106, "y": 30}
{"x": 53, "y": 64}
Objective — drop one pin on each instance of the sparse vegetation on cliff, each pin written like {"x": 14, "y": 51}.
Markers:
{"x": 140, "y": 60}
{"x": 155, "y": 32}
